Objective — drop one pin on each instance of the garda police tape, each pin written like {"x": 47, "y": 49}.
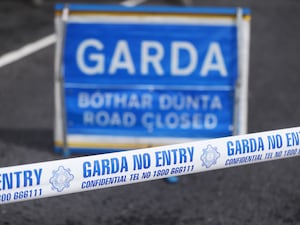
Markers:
{"x": 45, "y": 179}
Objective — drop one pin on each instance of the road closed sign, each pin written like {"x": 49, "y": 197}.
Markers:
{"x": 135, "y": 77}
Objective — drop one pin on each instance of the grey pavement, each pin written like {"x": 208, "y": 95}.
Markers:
{"x": 265, "y": 193}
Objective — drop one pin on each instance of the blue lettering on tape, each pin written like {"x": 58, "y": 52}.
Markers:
{"x": 244, "y": 146}
{"x": 20, "y": 179}
{"x": 293, "y": 138}
{"x": 174, "y": 156}
{"x": 102, "y": 182}
{"x": 104, "y": 167}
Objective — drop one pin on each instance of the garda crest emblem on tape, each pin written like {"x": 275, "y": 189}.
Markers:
{"x": 61, "y": 179}
{"x": 209, "y": 156}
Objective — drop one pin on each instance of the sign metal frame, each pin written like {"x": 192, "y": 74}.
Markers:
{"x": 68, "y": 143}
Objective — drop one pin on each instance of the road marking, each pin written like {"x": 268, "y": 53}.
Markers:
{"x": 33, "y": 47}
{"x": 26, "y": 50}
{"x": 131, "y": 3}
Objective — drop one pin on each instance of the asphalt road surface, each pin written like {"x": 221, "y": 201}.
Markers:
{"x": 265, "y": 193}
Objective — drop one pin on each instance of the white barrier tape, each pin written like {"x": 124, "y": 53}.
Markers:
{"x": 45, "y": 179}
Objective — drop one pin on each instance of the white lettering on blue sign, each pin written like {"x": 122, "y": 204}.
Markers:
{"x": 174, "y": 111}
{"x": 106, "y": 100}
{"x": 115, "y": 100}
{"x": 183, "y": 121}
{"x": 122, "y": 59}
{"x": 155, "y": 80}
{"x": 151, "y": 111}
{"x": 187, "y": 102}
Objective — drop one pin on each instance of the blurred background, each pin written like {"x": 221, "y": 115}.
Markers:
{"x": 266, "y": 193}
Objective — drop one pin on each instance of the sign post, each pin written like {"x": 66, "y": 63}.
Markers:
{"x": 143, "y": 76}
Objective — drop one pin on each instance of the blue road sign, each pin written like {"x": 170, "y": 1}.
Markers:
{"x": 152, "y": 75}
